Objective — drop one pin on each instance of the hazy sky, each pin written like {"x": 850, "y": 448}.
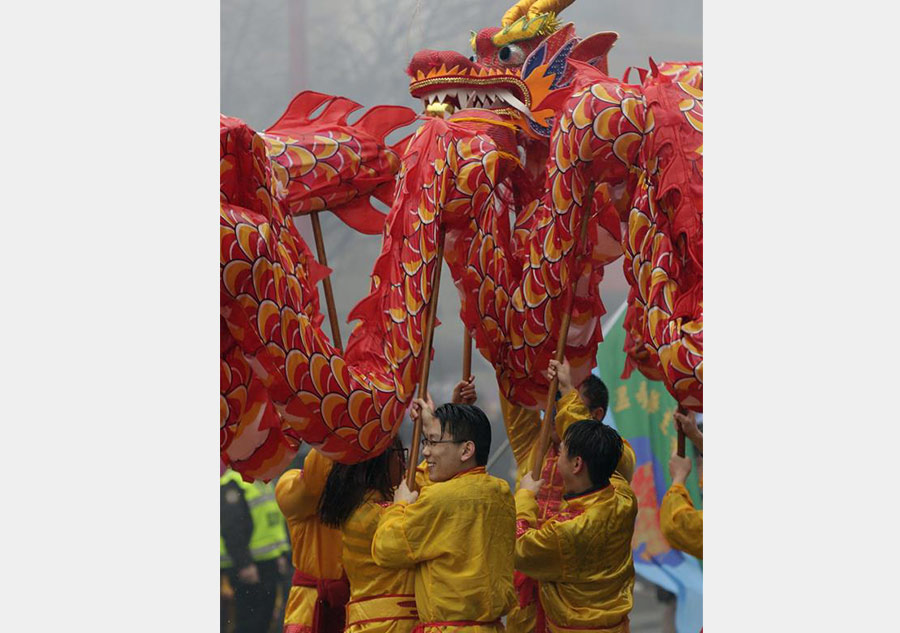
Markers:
{"x": 273, "y": 49}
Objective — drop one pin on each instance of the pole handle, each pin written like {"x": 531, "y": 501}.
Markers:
{"x": 467, "y": 356}
{"x": 544, "y": 437}
{"x": 326, "y": 283}
{"x": 426, "y": 362}
{"x": 681, "y": 436}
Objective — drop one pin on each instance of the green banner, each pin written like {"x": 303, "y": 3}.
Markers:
{"x": 641, "y": 410}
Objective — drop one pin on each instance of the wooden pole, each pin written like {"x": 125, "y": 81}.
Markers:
{"x": 467, "y": 356}
{"x": 681, "y": 437}
{"x": 326, "y": 283}
{"x": 547, "y": 422}
{"x": 426, "y": 362}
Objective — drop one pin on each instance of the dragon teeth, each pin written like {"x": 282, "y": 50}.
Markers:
{"x": 475, "y": 99}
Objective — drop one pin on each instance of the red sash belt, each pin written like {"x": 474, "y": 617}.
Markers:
{"x": 420, "y": 628}
{"x": 527, "y": 588}
{"x": 328, "y": 615}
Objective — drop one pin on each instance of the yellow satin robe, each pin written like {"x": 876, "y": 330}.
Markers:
{"x": 376, "y": 593}
{"x": 582, "y": 557}
{"x": 522, "y": 429}
{"x": 459, "y": 538}
{"x": 680, "y": 523}
{"x": 316, "y": 548}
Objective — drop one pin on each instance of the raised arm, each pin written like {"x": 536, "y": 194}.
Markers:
{"x": 681, "y": 524}
{"x": 539, "y": 552}
{"x": 298, "y": 491}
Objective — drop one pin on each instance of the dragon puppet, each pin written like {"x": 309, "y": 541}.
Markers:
{"x": 568, "y": 123}
{"x": 545, "y": 170}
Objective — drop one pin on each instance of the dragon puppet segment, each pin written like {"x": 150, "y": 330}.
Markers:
{"x": 282, "y": 380}
{"x": 663, "y": 244}
{"x": 646, "y": 142}
{"x": 325, "y": 163}
{"x": 642, "y": 147}
{"x": 514, "y": 283}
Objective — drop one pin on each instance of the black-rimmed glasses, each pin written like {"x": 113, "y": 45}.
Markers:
{"x": 404, "y": 453}
{"x": 425, "y": 442}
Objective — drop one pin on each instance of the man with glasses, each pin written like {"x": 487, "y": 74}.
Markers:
{"x": 459, "y": 532}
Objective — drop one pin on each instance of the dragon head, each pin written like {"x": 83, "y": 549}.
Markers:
{"x": 512, "y": 71}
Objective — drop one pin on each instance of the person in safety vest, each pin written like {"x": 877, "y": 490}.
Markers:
{"x": 253, "y": 542}
{"x": 589, "y": 400}
{"x": 319, "y": 588}
{"x": 681, "y": 524}
{"x": 581, "y": 557}
{"x": 381, "y": 600}
{"x": 457, "y": 534}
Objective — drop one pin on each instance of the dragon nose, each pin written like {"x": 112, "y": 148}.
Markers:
{"x": 427, "y": 59}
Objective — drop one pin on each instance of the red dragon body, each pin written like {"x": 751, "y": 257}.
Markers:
{"x": 640, "y": 144}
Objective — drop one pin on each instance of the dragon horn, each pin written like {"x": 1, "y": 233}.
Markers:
{"x": 532, "y": 8}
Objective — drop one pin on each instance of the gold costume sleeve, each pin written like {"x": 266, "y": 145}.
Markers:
{"x": 570, "y": 409}
{"x": 298, "y": 491}
{"x": 680, "y": 523}
{"x": 625, "y": 467}
{"x": 408, "y": 533}
{"x": 523, "y": 427}
{"x": 527, "y": 510}
{"x": 540, "y": 554}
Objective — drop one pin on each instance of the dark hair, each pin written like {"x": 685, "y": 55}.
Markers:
{"x": 598, "y": 445}
{"x": 348, "y": 484}
{"x": 595, "y": 393}
{"x": 466, "y": 422}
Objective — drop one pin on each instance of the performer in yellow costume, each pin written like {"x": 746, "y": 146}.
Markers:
{"x": 316, "y": 549}
{"x": 588, "y": 400}
{"x": 680, "y": 522}
{"x": 381, "y": 600}
{"x": 458, "y": 533}
{"x": 582, "y": 556}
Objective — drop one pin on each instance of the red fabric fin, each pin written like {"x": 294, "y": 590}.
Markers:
{"x": 400, "y": 146}
{"x": 363, "y": 310}
{"x": 299, "y": 109}
{"x": 359, "y": 214}
{"x": 317, "y": 272}
{"x": 653, "y": 67}
{"x": 336, "y": 111}
{"x": 594, "y": 49}
{"x": 385, "y": 192}
{"x": 642, "y": 73}
{"x": 555, "y": 99}
{"x": 381, "y": 120}
{"x": 559, "y": 38}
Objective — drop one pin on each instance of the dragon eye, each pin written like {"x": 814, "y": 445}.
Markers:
{"x": 511, "y": 55}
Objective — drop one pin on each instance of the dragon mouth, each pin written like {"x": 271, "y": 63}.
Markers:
{"x": 499, "y": 91}
{"x": 499, "y": 101}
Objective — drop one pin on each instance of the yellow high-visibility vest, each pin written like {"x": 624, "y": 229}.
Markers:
{"x": 269, "y": 539}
